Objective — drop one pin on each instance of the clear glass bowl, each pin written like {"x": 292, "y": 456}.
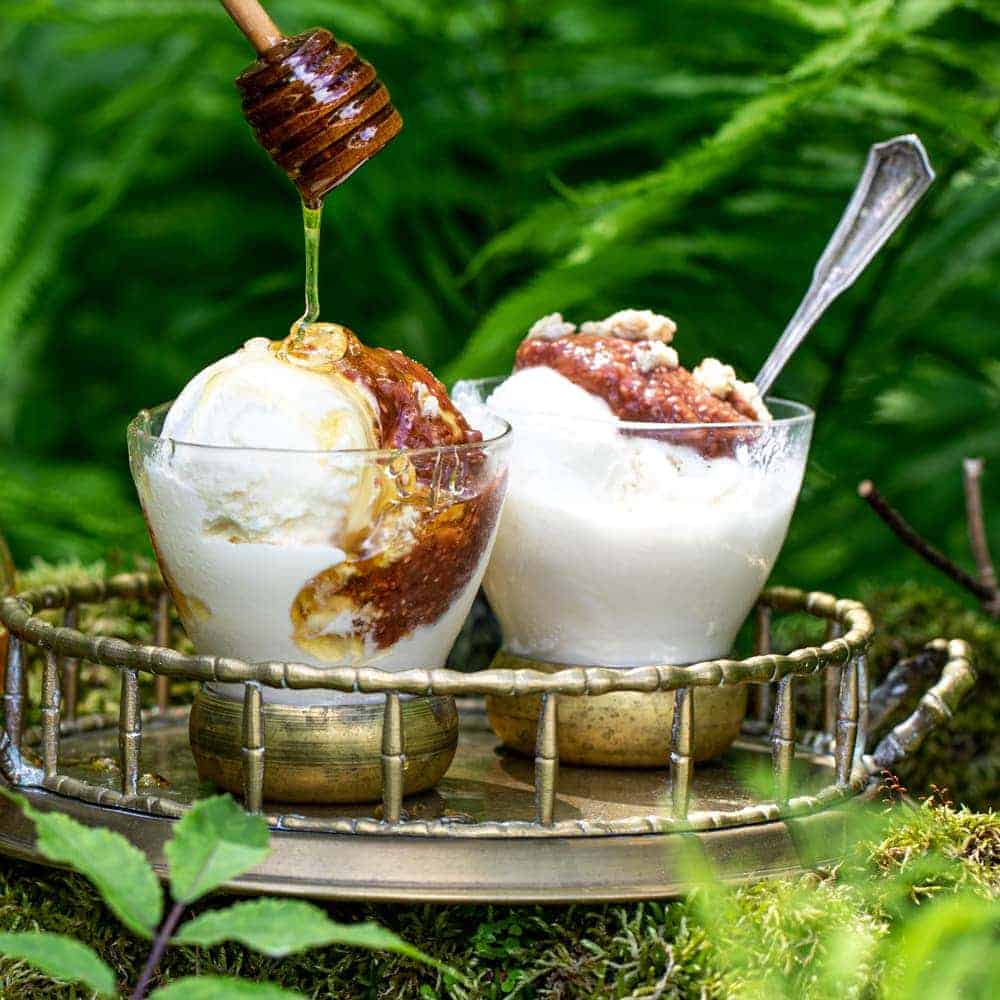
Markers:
{"x": 329, "y": 558}
{"x": 625, "y": 544}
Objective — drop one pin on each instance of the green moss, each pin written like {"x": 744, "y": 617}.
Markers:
{"x": 816, "y": 936}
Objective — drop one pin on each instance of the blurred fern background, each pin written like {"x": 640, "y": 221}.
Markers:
{"x": 689, "y": 156}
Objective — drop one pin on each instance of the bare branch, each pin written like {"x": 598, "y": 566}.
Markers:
{"x": 912, "y": 539}
{"x": 972, "y": 470}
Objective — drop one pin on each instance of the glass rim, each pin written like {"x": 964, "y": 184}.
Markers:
{"x": 138, "y": 429}
{"x": 800, "y": 414}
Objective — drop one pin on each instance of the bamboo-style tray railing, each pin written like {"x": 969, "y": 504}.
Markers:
{"x": 840, "y": 659}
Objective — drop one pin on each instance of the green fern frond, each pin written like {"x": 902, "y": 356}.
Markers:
{"x": 24, "y": 154}
{"x": 18, "y": 288}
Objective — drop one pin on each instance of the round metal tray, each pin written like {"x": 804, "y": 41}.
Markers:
{"x": 498, "y": 827}
{"x": 484, "y": 781}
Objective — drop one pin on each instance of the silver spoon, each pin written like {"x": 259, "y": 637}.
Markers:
{"x": 897, "y": 173}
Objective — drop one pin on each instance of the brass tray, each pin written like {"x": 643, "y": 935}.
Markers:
{"x": 498, "y": 827}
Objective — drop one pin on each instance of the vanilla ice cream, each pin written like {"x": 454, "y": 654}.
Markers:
{"x": 631, "y": 543}
{"x": 254, "y": 399}
{"x": 319, "y": 501}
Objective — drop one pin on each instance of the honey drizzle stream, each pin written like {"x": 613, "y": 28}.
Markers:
{"x": 311, "y": 224}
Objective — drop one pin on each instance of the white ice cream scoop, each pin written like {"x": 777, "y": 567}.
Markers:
{"x": 253, "y": 399}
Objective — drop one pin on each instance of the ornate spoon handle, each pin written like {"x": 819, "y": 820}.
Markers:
{"x": 897, "y": 173}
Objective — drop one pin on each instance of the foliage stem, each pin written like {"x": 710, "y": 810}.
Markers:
{"x": 911, "y": 538}
{"x": 163, "y": 936}
{"x": 972, "y": 469}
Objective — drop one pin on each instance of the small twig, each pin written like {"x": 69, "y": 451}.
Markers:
{"x": 912, "y": 539}
{"x": 163, "y": 936}
{"x": 972, "y": 470}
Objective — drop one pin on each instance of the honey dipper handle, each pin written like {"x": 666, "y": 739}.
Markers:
{"x": 254, "y": 22}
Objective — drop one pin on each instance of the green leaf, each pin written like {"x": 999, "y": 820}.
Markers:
{"x": 214, "y": 842}
{"x": 279, "y": 927}
{"x": 20, "y": 284}
{"x": 61, "y": 958}
{"x": 940, "y": 951}
{"x": 828, "y": 17}
{"x": 119, "y": 871}
{"x": 271, "y": 926}
{"x": 24, "y": 154}
{"x": 222, "y": 988}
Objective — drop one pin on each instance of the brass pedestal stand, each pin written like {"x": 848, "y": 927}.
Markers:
{"x": 621, "y": 729}
{"x": 323, "y": 753}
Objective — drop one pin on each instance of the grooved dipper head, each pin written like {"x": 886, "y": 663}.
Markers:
{"x": 318, "y": 109}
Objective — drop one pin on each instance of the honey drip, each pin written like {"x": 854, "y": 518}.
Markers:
{"x": 312, "y": 219}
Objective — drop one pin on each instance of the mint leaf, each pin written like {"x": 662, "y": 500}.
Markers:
{"x": 279, "y": 927}
{"x": 222, "y": 988}
{"x": 211, "y": 844}
{"x": 61, "y": 958}
{"x": 118, "y": 870}
{"x": 274, "y": 927}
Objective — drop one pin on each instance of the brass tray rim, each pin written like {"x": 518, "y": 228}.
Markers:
{"x": 770, "y": 850}
{"x": 18, "y": 613}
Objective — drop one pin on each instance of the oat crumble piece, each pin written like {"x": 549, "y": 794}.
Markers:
{"x": 551, "y": 327}
{"x": 634, "y": 324}
{"x": 655, "y": 354}
{"x": 717, "y": 378}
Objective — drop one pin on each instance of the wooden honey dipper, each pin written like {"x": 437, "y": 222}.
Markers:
{"x": 312, "y": 102}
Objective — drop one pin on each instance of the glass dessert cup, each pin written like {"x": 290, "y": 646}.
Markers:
{"x": 634, "y": 544}
{"x": 387, "y": 584}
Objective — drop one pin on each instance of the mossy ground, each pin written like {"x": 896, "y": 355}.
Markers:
{"x": 821, "y": 935}
{"x": 834, "y": 933}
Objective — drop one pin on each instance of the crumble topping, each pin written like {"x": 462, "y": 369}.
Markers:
{"x": 551, "y": 327}
{"x": 750, "y": 394}
{"x": 655, "y": 354}
{"x": 717, "y": 378}
{"x": 721, "y": 381}
{"x": 633, "y": 324}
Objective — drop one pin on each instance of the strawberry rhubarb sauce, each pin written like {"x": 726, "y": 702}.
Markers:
{"x": 619, "y": 371}
{"x": 422, "y": 546}
{"x": 323, "y": 500}
{"x": 625, "y": 360}
{"x": 390, "y": 594}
